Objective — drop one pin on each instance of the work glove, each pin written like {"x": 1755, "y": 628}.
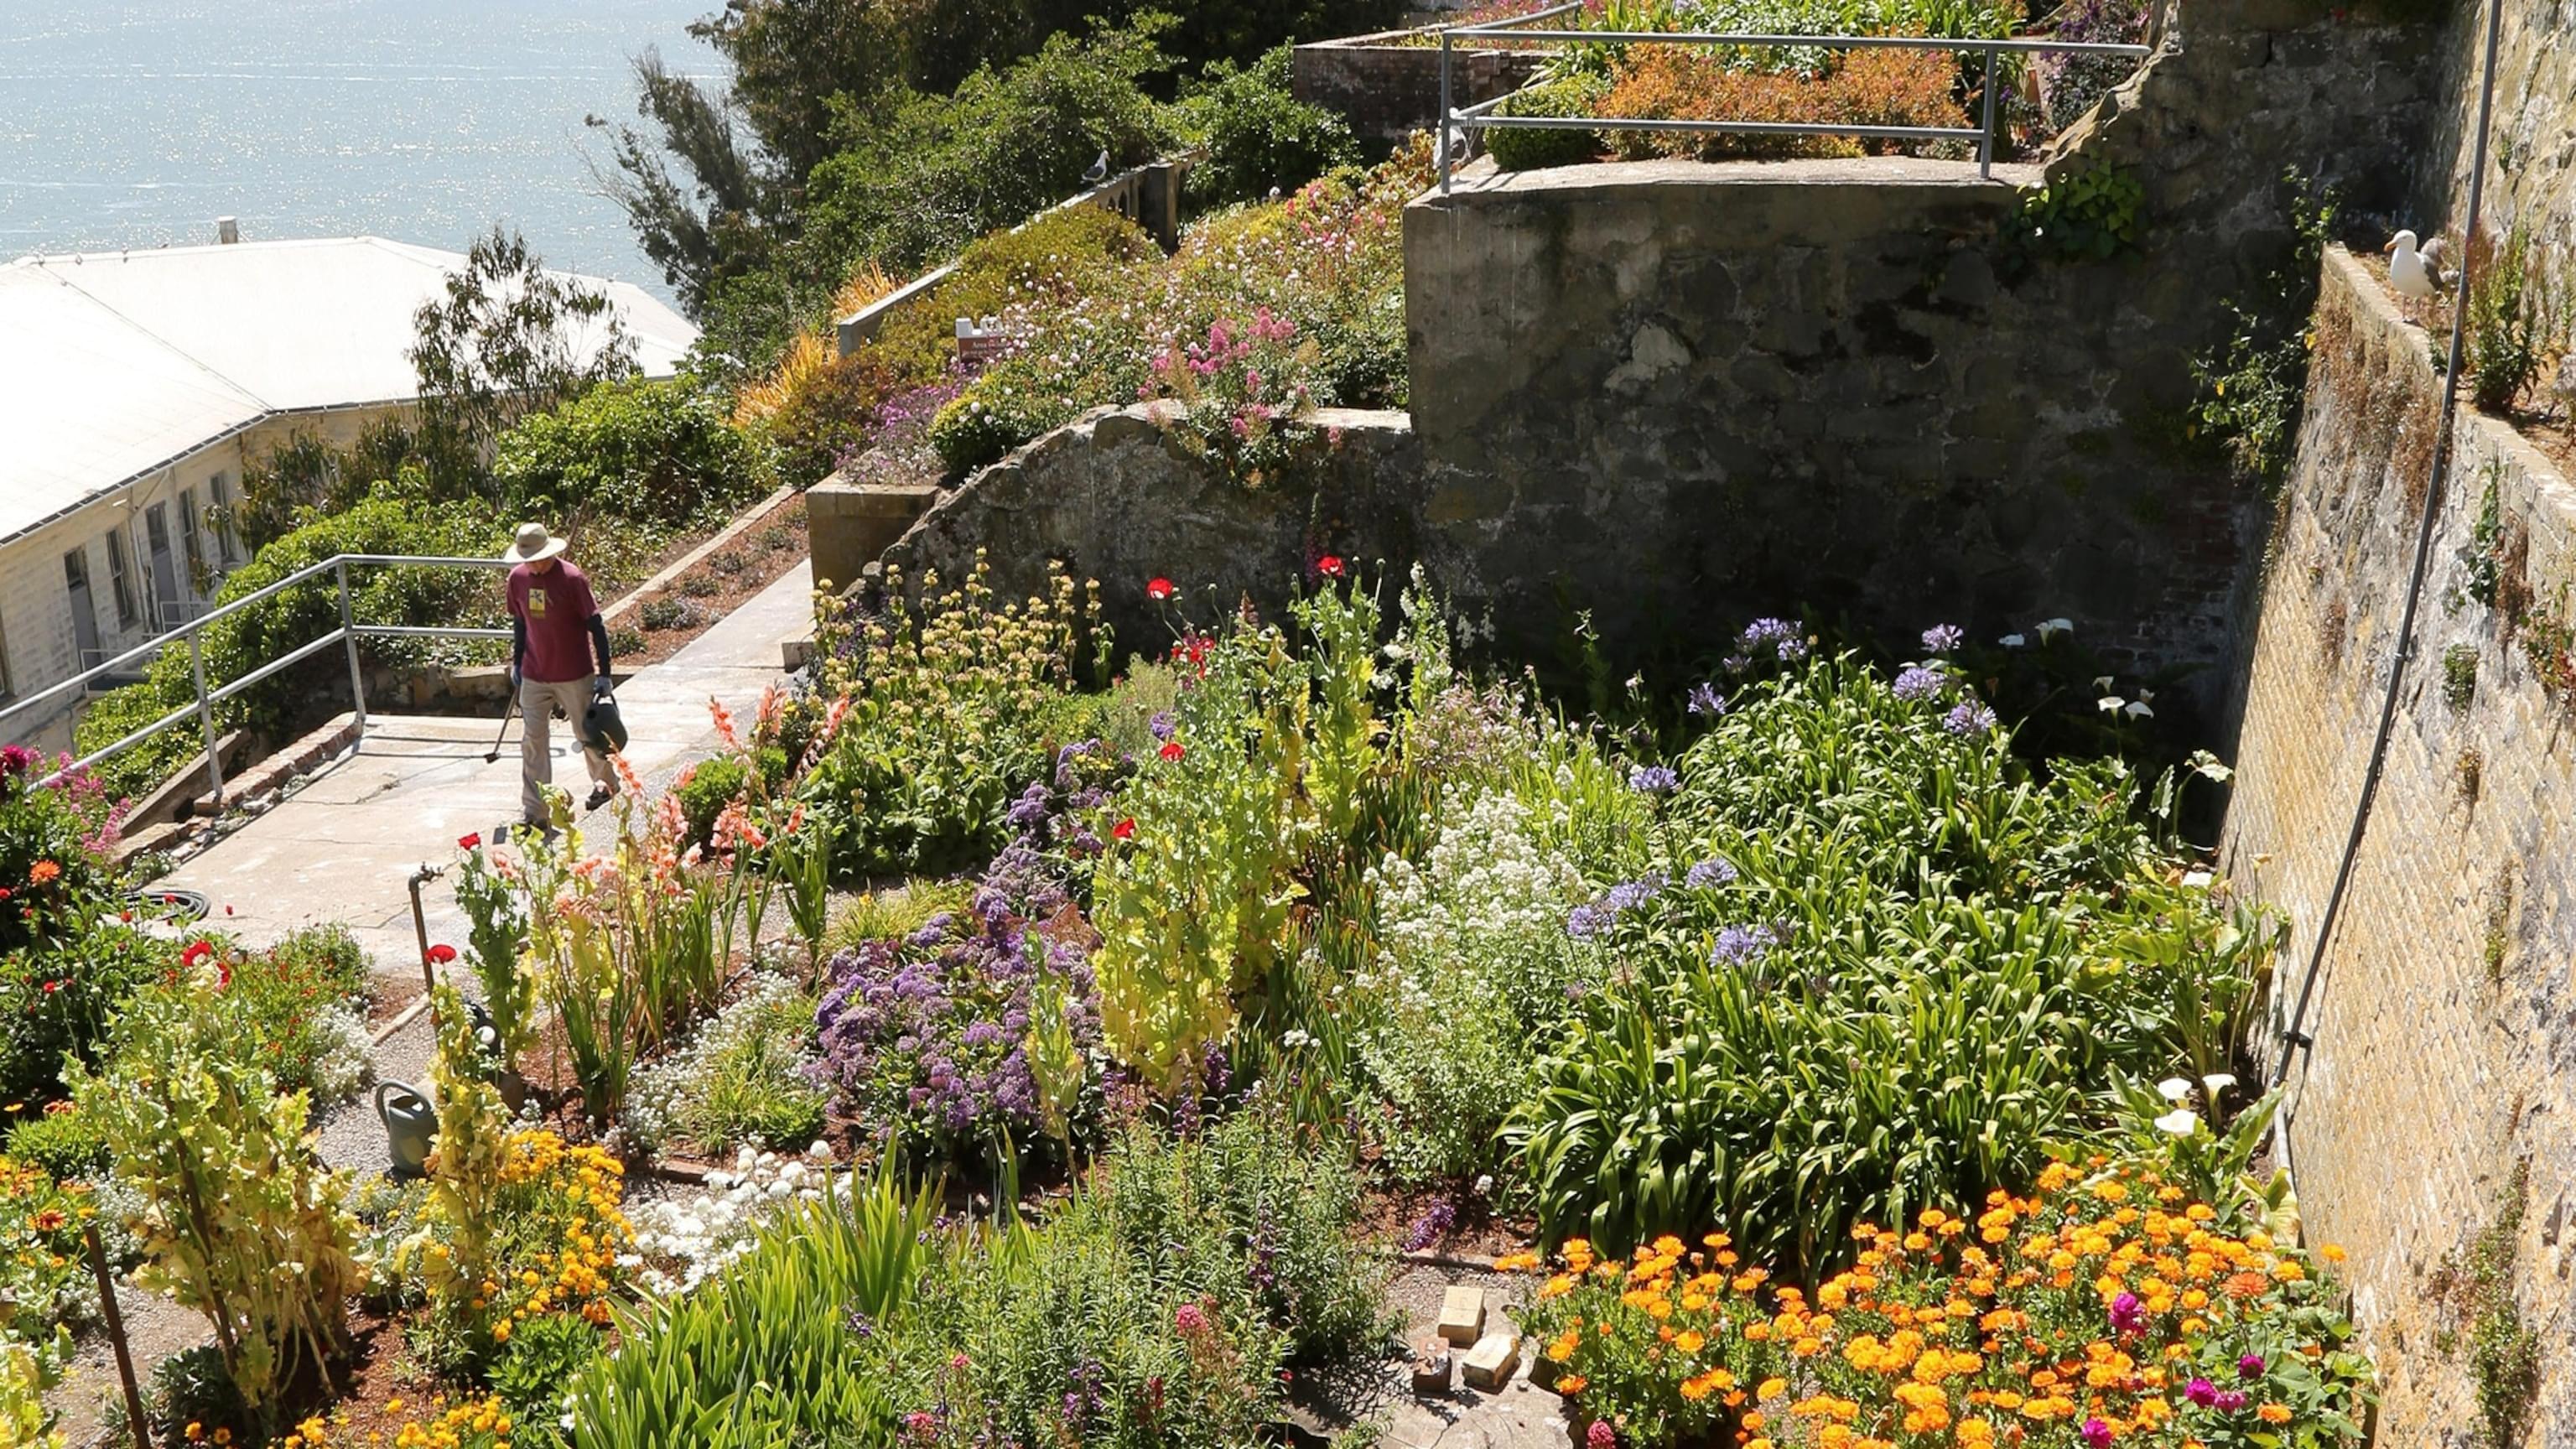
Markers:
{"x": 602, "y": 687}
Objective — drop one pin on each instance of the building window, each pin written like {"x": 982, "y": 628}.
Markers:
{"x": 120, "y": 576}
{"x": 188, "y": 537}
{"x": 221, "y": 487}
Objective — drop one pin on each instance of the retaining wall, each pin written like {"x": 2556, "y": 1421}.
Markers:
{"x": 2445, "y": 1017}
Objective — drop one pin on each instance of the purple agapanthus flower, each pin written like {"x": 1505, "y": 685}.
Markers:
{"x": 1705, "y": 700}
{"x": 1653, "y": 780}
{"x": 1161, "y": 724}
{"x": 1587, "y": 921}
{"x": 1969, "y": 720}
{"x": 1742, "y": 945}
{"x": 1710, "y": 872}
{"x": 1917, "y": 682}
{"x": 1942, "y": 638}
{"x": 1628, "y": 895}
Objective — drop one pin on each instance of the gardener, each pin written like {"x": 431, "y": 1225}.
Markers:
{"x": 556, "y": 635}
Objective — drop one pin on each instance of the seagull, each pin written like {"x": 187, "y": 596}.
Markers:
{"x": 2414, "y": 273}
{"x": 1099, "y": 171}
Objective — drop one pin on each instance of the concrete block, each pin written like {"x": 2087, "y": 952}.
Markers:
{"x": 850, "y": 524}
{"x": 1462, "y": 1314}
{"x": 1493, "y": 1361}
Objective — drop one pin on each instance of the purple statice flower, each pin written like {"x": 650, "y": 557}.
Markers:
{"x": 1742, "y": 945}
{"x": 2230, "y": 1401}
{"x": 1587, "y": 921}
{"x": 1969, "y": 720}
{"x": 1430, "y": 1227}
{"x": 1162, "y": 724}
{"x": 1917, "y": 682}
{"x": 1713, "y": 871}
{"x": 1705, "y": 700}
{"x": 1653, "y": 780}
{"x": 2201, "y": 1392}
{"x": 1942, "y": 638}
{"x": 2250, "y": 1366}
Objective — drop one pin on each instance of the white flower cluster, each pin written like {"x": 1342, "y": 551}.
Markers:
{"x": 658, "y": 1101}
{"x": 346, "y": 1061}
{"x": 1487, "y": 894}
{"x": 682, "y": 1241}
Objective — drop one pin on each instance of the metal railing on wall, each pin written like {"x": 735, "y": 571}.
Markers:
{"x": 1465, "y": 123}
{"x": 191, "y": 635}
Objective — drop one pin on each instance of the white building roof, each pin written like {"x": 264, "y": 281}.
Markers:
{"x": 114, "y": 364}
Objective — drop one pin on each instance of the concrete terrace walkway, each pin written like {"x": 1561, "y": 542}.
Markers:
{"x": 342, "y": 847}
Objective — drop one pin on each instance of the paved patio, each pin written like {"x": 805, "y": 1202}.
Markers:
{"x": 342, "y": 845}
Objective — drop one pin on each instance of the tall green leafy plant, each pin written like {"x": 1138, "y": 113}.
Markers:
{"x": 239, "y": 1217}
{"x": 496, "y": 934}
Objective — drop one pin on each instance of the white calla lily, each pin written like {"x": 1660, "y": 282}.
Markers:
{"x": 2180, "y": 1122}
{"x": 2174, "y": 1089}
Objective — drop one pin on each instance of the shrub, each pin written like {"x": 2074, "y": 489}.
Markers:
{"x": 1865, "y": 890}
{"x": 1868, "y": 87}
{"x": 825, "y": 406}
{"x": 1260, "y": 138}
{"x": 2512, "y": 327}
{"x": 952, "y": 703}
{"x": 704, "y": 793}
{"x": 496, "y": 935}
{"x": 2071, "y": 1291}
{"x": 741, "y": 1079}
{"x": 61, "y": 1140}
{"x": 53, "y": 850}
{"x": 651, "y": 453}
{"x": 56, "y": 1005}
{"x": 43, "y": 1275}
{"x": 300, "y": 993}
{"x": 196, "y": 1119}
{"x": 1061, "y": 257}
{"x": 1522, "y": 148}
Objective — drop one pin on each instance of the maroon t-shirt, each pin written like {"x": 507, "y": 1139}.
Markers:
{"x": 557, "y": 606}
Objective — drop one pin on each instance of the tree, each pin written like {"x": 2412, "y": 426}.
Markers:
{"x": 732, "y": 212}
{"x": 510, "y": 339}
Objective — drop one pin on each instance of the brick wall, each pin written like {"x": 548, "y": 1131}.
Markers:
{"x": 1389, "y": 91}
{"x": 2432, "y": 1073}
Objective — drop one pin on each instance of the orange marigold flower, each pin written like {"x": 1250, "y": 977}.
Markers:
{"x": 2273, "y": 1413}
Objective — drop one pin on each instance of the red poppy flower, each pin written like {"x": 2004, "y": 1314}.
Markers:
{"x": 52, "y": 986}
{"x": 197, "y": 951}
{"x": 1172, "y": 750}
{"x": 1123, "y": 830}
{"x": 1159, "y": 589}
{"x": 468, "y": 842}
{"x": 223, "y": 974}
{"x": 5, "y": 893}
{"x": 442, "y": 953}
{"x": 1330, "y": 566}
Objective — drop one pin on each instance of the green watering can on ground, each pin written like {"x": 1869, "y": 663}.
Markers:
{"x": 411, "y": 1127}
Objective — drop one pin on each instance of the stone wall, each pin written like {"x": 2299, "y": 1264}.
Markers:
{"x": 2532, "y": 171}
{"x": 2445, "y": 1049}
{"x": 1682, "y": 394}
{"x": 1117, "y": 497}
{"x": 1389, "y": 91}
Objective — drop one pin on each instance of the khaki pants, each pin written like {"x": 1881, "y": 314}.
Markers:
{"x": 538, "y": 700}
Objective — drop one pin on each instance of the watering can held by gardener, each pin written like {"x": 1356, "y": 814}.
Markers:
{"x": 411, "y": 1127}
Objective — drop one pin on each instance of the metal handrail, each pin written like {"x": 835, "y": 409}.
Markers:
{"x": 202, "y": 708}
{"x": 1477, "y": 117}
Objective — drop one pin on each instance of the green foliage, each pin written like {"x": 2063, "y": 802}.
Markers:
{"x": 1062, "y": 258}
{"x": 58, "y": 999}
{"x": 540, "y": 1363}
{"x": 1260, "y": 138}
{"x": 2481, "y": 559}
{"x": 892, "y": 913}
{"x": 741, "y": 1079}
{"x": 2460, "y": 677}
{"x": 2476, "y": 1290}
{"x": 305, "y": 477}
{"x": 708, "y": 789}
{"x": 916, "y": 184}
{"x": 2513, "y": 327}
{"x": 644, "y": 453}
{"x": 508, "y": 341}
{"x": 953, "y": 706}
{"x": 1527, "y": 148}
{"x": 44, "y": 1278}
{"x": 773, "y": 1350}
{"x": 240, "y": 1219}
{"x": 496, "y": 938}
{"x": 2088, "y": 213}
{"x": 2250, "y": 389}
{"x": 298, "y": 994}
{"x": 192, "y": 1387}
{"x": 1920, "y": 965}
{"x": 61, "y": 1140}
{"x": 1155, "y": 1307}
